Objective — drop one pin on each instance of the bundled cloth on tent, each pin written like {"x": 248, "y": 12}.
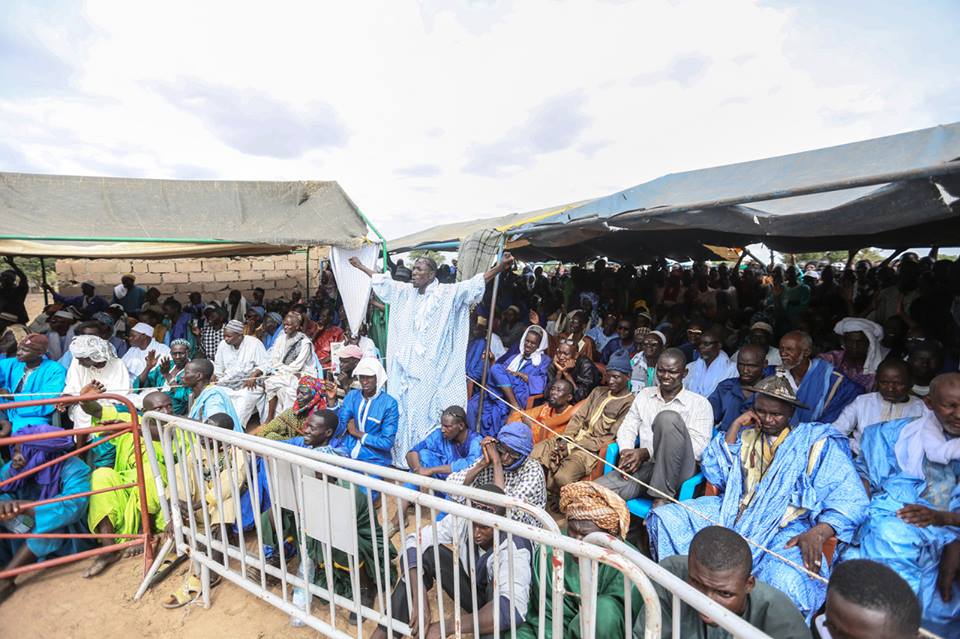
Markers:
{"x": 477, "y": 252}
{"x": 353, "y": 284}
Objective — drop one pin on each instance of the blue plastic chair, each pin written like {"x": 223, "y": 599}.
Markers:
{"x": 640, "y": 506}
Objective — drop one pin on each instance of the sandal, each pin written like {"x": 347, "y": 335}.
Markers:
{"x": 189, "y": 592}
{"x": 170, "y": 563}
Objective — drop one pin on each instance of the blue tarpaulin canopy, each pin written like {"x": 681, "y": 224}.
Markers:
{"x": 898, "y": 190}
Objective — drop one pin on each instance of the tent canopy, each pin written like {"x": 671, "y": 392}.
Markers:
{"x": 118, "y": 217}
{"x": 890, "y": 192}
{"x": 450, "y": 235}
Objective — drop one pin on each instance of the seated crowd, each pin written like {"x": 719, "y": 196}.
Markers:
{"x": 814, "y": 412}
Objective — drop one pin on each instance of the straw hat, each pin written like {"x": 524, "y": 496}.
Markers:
{"x": 777, "y": 387}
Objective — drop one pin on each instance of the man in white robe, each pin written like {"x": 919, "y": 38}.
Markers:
{"x": 891, "y": 401}
{"x": 240, "y": 360}
{"x": 290, "y": 357}
{"x": 427, "y": 346}
{"x": 94, "y": 361}
{"x": 143, "y": 350}
{"x": 713, "y": 367}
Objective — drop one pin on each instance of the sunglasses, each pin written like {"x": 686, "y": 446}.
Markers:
{"x": 503, "y": 450}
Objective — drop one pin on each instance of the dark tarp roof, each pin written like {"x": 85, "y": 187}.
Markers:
{"x": 111, "y": 217}
{"x": 676, "y": 208}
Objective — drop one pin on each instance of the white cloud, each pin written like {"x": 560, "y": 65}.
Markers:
{"x": 437, "y": 111}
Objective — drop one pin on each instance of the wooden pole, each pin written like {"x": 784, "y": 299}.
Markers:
{"x": 486, "y": 349}
{"x": 43, "y": 279}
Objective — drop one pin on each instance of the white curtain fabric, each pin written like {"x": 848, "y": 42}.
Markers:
{"x": 353, "y": 284}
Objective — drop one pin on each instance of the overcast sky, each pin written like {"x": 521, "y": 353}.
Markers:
{"x": 429, "y": 112}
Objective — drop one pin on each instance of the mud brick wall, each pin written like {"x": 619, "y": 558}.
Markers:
{"x": 279, "y": 275}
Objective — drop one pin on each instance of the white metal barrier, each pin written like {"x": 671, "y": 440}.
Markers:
{"x": 233, "y": 467}
{"x": 217, "y": 472}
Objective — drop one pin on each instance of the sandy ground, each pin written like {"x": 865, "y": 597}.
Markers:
{"x": 61, "y": 603}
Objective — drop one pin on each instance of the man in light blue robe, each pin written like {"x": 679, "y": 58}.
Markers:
{"x": 515, "y": 382}
{"x": 448, "y": 449}
{"x": 823, "y": 391}
{"x": 207, "y": 399}
{"x": 68, "y": 477}
{"x": 787, "y": 488}
{"x": 32, "y": 373}
{"x": 913, "y": 467}
{"x": 427, "y": 349}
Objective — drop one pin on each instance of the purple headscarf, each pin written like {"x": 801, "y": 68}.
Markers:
{"x": 38, "y": 452}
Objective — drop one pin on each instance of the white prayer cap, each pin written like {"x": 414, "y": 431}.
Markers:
{"x": 663, "y": 338}
{"x": 143, "y": 328}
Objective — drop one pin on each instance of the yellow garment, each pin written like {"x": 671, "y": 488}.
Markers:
{"x": 756, "y": 456}
{"x": 123, "y": 506}
{"x": 208, "y": 500}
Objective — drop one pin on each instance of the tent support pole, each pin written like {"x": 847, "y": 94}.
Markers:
{"x": 43, "y": 278}
{"x": 486, "y": 348}
{"x": 386, "y": 267}
{"x": 307, "y": 292}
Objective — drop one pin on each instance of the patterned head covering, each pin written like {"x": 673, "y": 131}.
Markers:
{"x": 39, "y": 452}
{"x": 276, "y": 318}
{"x": 105, "y": 318}
{"x": 91, "y": 347}
{"x": 234, "y": 326}
{"x": 317, "y": 399}
{"x": 585, "y": 500}
{"x": 180, "y": 342}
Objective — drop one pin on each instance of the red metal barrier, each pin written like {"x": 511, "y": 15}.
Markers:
{"x": 144, "y": 537}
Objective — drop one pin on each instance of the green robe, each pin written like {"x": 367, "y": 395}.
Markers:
{"x": 180, "y": 397}
{"x": 377, "y": 328}
{"x": 610, "y": 601}
{"x": 767, "y": 609}
{"x": 123, "y": 506}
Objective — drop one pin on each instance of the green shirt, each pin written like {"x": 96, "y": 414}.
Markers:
{"x": 768, "y": 609}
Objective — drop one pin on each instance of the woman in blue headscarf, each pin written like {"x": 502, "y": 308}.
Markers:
{"x": 506, "y": 462}
{"x": 68, "y": 477}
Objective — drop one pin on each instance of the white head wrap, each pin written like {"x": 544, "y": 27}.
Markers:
{"x": 874, "y": 333}
{"x": 371, "y": 366}
{"x": 91, "y": 347}
{"x": 143, "y": 328}
{"x": 537, "y": 355}
{"x": 663, "y": 338}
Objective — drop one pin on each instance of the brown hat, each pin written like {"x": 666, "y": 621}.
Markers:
{"x": 777, "y": 387}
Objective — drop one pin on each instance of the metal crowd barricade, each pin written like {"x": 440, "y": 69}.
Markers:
{"x": 144, "y": 537}
{"x": 231, "y": 469}
{"x": 679, "y": 591}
